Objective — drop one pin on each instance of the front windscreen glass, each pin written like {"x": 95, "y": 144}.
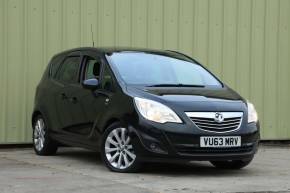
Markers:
{"x": 156, "y": 69}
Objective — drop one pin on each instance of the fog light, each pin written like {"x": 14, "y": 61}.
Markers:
{"x": 156, "y": 148}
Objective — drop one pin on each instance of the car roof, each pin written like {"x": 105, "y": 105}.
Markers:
{"x": 110, "y": 50}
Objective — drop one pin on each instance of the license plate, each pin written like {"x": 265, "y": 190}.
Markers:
{"x": 223, "y": 141}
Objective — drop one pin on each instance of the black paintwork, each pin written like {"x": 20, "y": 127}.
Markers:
{"x": 78, "y": 114}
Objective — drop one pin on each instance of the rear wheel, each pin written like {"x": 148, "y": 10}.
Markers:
{"x": 42, "y": 143}
{"x": 117, "y": 150}
{"x": 231, "y": 164}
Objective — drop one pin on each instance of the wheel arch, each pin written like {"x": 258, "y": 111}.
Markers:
{"x": 109, "y": 122}
{"x": 34, "y": 115}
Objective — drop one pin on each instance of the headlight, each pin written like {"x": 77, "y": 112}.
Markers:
{"x": 252, "y": 113}
{"x": 155, "y": 111}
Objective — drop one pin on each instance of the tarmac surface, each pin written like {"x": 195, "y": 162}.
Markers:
{"x": 75, "y": 170}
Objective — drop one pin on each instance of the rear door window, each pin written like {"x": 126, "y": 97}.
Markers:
{"x": 69, "y": 70}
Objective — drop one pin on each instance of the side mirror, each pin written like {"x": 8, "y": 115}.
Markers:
{"x": 91, "y": 84}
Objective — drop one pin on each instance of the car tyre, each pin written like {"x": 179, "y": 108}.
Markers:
{"x": 42, "y": 143}
{"x": 231, "y": 164}
{"x": 117, "y": 150}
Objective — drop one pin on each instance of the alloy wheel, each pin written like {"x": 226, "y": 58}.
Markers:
{"x": 39, "y": 134}
{"x": 119, "y": 149}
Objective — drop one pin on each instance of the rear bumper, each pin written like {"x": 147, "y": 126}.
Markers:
{"x": 158, "y": 142}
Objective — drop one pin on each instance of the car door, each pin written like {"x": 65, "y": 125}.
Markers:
{"x": 84, "y": 105}
{"x": 93, "y": 102}
{"x": 68, "y": 78}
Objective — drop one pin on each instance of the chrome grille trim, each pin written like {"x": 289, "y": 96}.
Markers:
{"x": 214, "y": 123}
{"x": 221, "y": 125}
{"x": 212, "y": 114}
{"x": 211, "y": 121}
{"x": 205, "y": 121}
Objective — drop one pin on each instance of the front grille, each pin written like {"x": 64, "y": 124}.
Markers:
{"x": 199, "y": 150}
{"x": 210, "y": 121}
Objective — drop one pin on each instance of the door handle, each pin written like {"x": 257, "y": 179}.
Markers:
{"x": 102, "y": 93}
{"x": 73, "y": 100}
{"x": 63, "y": 96}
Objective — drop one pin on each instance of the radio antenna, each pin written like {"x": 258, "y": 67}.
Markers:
{"x": 92, "y": 35}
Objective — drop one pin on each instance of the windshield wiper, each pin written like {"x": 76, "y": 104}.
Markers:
{"x": 176, "y": 85}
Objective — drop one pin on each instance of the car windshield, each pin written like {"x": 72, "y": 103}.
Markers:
{"x": 154, "y": 69}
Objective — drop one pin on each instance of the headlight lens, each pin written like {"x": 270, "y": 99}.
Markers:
{"x": 155, "y": 111}
{"x": 252, "y": 113}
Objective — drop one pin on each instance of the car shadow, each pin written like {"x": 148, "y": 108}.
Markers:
{"x": 195, "y": 168}
{"x": 80, "y": 154}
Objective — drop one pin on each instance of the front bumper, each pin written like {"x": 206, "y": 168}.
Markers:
{"x": 181, "y": 142}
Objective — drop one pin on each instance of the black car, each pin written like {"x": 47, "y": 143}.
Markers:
{"x": 141, "y": 105}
